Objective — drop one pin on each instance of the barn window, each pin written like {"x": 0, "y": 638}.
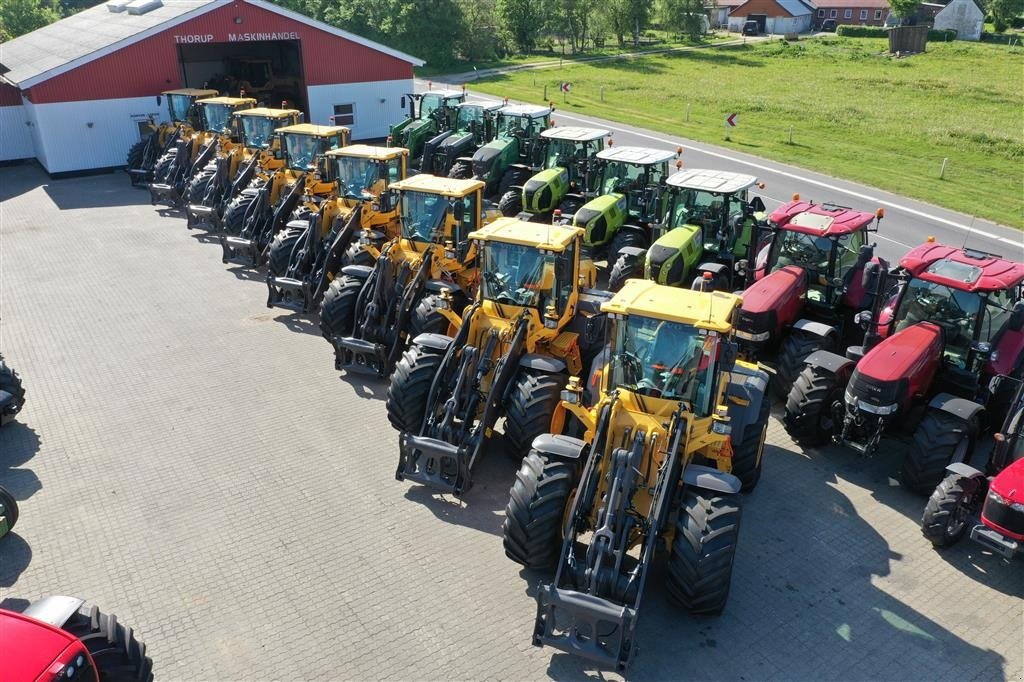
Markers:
{"x": 344, "y": 114}
{"x": 863, "y": 14}
{"x": 833, "y": 13}
{"x": 848, "y": 14}
{"x": 821, "y": 13}
{"x": 878, "y": 15}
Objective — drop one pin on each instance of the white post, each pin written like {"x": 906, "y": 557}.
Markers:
{"x": 942, "y": 172}
{"x": 687, "y": 112}
{"x": 791, "y": 134}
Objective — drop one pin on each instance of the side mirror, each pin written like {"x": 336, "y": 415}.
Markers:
{"x": 863, "y": 319}
{"x": 984, "y": 348}
{"x": 402, "y": 101}
{"x": 278, "y": 153}
{"x": 865, "y": 254}
{"x": 458, "y": 210}
{"x": 756, "y": 205}
{"x": 159, "y": 100}
{"x": 1016, "y": 321}
{"x": 730, "y": 352}
{"x": 874, "y": 276}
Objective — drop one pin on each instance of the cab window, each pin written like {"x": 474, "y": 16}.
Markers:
{"x": 470, "y": 211}
{"x": 394, "y": 170}
{"x": 565, "y": 278}
{"x": 847, "y": 250}
{"x": 998, "y": 307}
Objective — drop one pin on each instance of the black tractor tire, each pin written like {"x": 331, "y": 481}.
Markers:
{"x": 338, "y": 306}
{"x": 626, "y": 267}
{"x": 528, "y": 409}
{"x": 198, "y": 186}
{"x": 10, "y": 507}
{"x": 164, "y": 165}
{"x": 808, "y": 417}
{"x": 10, "y": 382}
{"x": 940, "y": 438}
{"x": 796, "y": 348}
{"x": 281, "y": 247}
{"x": 700, "y": 561}
{"x": 625, "y": 237}
{"x": 426, "y": 317}
{"x": 234, "y": 215}
{"x": 410, "y": 387}
{"x": 948, "y": 511}
{"x": 511, "y": 203}
{"x": 748, "y": 449}
{"x": 136, "y": 155}
{"x": 532, "y": 530}
{"x": 460, "y": 170}
{"x": 356, "y": 254}
{"x": 119, "y": 656}
{"x": 512, "y": 176}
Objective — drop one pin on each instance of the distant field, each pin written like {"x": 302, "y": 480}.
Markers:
{"x": 855, "y": 112}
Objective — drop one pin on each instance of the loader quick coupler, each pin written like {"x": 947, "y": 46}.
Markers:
{"x": 144, "y": 176}
{"x": 261, "y": 223}
{"x": 206, "y": 214}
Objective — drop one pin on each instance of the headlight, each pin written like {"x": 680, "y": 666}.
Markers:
{"x": 881, "y": 410}
{"x": 1005, "y": 502}
{"x": 747, "y": 336}
{"x": 721, "y": 428}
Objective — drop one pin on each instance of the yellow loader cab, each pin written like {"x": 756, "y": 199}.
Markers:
{"x": 235, "y": 166}
{"x": 339, "y": 220}
{"x": 658, "y": 460}
{"x": 530, "y": 327}
{"x": 419, "y": 280}
{"x": 157, "y": 139}
{"x": 258, "y": 213}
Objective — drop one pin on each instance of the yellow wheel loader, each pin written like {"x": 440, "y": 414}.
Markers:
{"x": 191, "y": 152}
{"x": 530, "y": 327}
{"x": 258, "y": 213}
{"x": 328, "y": 232}
{"x": 657, "y": 458}
{"x": 234, "y": 168}
{"x": 370, "y": 314}
{"x": 183, "y": 118}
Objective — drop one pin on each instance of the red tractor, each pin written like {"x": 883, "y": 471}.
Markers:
{"x": 810, "y": 282}
{"x": 59, "y": 638}
{"x": 935, "y": 355}
{"x": 996, "y": 496}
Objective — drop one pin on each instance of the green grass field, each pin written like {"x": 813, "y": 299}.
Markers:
{"x": 855, "y": 112}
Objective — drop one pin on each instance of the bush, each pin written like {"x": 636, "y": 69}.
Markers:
{"x": 861, "y": 31}
{"x": 948, "y": 34}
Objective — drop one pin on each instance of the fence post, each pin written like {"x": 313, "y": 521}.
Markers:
{"x": 545, "y": 92}
{"x": 942, "y": 172}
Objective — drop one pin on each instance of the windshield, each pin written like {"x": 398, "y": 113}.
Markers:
{"x": 423, "y": 216}
{"x": 469, "y": 119}
{"x": 619, "y": 177}
{"x": 954, "y": 310}
{"x": 429, "y": 104}
{"x": 178, "y": 106}
{"x": 304, "y": 149}
{"x": 663, "y": 359}
{"x": 567, "y": 154}
{"x": 257, "y": 130}
{"x": 523, "y": 276}
{"x": 698, "y": 207}
{"x": 356, "y": 176}
{"x": 218, "y": 117}
{"x": 518, "y": 126}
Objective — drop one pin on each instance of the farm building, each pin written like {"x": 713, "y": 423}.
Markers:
{"x": 962, "y": 16}
{"x": 857, "y": 12}
{"x": 773, "y": 16}
{"x": 73, "y": 94}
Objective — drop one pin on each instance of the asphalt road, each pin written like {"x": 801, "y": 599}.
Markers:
{"x": 907, "y": 221}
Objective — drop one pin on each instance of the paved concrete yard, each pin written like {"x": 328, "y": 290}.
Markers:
{"x": 191, "y": 461}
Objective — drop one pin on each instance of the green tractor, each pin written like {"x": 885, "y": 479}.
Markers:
{"x": 474, "y": 127}
{"x": 513, "y": 155}
{"x": 632, "y": 197}
{"x": 710, "y": 226}
{"x": 568, "y": 178}
{"x": 429, "y": 114}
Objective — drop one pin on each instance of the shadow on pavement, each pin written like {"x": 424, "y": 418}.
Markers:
{"x": 99, "y": 191}
{"x": 246, "y": 272}
{"x": 15, "y": 604}
{"x": 299, "y": 322}
{"x": 364, "y": 386}
{"x": 204, "y": 237}
{"x": 15, "y": 556}
{"x": 18, "y": 444}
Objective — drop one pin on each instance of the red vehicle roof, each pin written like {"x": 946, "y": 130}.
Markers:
{"x": 821, "y": 220}
{"x": 962, "y": 269}
{"x": 28, "y": 647}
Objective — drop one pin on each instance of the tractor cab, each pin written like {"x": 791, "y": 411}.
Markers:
{"x": 181, "y": 103}
{"x": 257, "y": 127}
{"x": 710, "y": 220}
{"x": 303, "y": 144}
{"x": 157, "y": 140}
{"x": 362, "y": 172}
{"x": 429, "y": 114}
{"x": 473, "y": 128}
{"x": 568, "y": 178}
{"x": 514, "y": 153}
{"x": 217, "y": 114}
{"x": 440, "y": 211}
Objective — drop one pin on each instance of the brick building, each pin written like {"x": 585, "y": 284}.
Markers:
{"x": 856, "y": 12}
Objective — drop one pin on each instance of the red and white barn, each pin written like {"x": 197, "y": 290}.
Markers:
{"x": 72, "y": 94}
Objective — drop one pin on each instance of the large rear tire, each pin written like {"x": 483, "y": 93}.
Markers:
{"x": 356, "y": 254}
{"x": 460, "y": 170}
{"x": 10, "y": 383}
{"x": 281, "y": 248}
{"x": 8, "y": 508}
{"x": 940, "y": 439}
{"x": 164, "y": 165}
{"x": 426, "y": 317}
{"x": 809, "y": 407}
{"x": 532, "y": 530}
{"x": 136, "y": 155}
{"x": 626, "y": 267}
{"x": 511, "y": 203}
{"x": 119, "y": 656}
{"x": 626, "y": 237}
{"x": 701, "y": 558}
{"x": 410, "y": 388}
{"x": 796, "y": 348}
{"x": 338, "y": 307}
{"x": 234, "y": 216}
{"x": 748, "y": 450}
{"x": 949, "y": 508}
{"x": 529, "y": 407}
{"x": 198, "y": 187}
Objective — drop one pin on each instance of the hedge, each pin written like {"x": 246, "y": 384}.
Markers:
{"x": 878, "y": 32}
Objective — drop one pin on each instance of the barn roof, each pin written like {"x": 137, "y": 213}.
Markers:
{"x": 95, "y": 32}
{"x": 791, "y": 8}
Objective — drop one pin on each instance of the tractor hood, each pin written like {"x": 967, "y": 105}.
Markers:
{"x": 484, "y": 158}
{"x": 1005, "y": 491}
{"x": 545, "y": 190}
{"x": 671, "y": 258}
{"x": 601, "y": 218}
{"x": 771, "y": 303}
{"x": 898, "y": 367}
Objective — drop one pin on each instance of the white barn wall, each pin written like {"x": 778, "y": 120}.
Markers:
{"x": 15, "y": 136}
{"x": 70, "y": 144}
{"x": 33, "y": 125}
{"x": 372, "y": 117}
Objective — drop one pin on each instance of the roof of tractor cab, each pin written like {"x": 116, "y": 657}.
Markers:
{"x": 640, "y": 156}
{"x": 821, "y": 220}
{"x": 574, "y": 133}
{"x": 191, "y": 92}
{"x": 718, "y": 182}
{"x": 711, "y": 310}
{"x": 529, "y": 110}
{"x": 264, "y": 112}
{"x": 538, "y": 235}
{"x": 479, "y": 104}
{"x": 312, "y": 129}
{"x": 963, "y": 269}
{"x": 228, "y": 101}
{"x": 445, "y": 94}
{"x": 366, "y": 151}
{"x": 449, "y": 187}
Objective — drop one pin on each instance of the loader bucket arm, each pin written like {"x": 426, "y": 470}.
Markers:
{"x": 329, "y": 259}
{"x": 410, "y": 295}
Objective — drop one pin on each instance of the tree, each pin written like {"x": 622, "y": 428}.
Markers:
{"x": 18, "y": 17}
{"x": 482, "y": 40}
{"x": 903, "y": 9}
{"x": 686, "y": 17}
{"x": 522, "y": 19}
{"x": 1003, "y": 12}
{"x": 575, "y": 15}
{"x": 626, "y": 17}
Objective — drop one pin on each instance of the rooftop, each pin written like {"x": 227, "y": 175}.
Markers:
{"x": 852, "y": 4}
{"x": 964, "y": 269}
{"x": 228, "y": 101}
{"x": 452, "y": 187}
{"x": 574, "y": 133}
{"x": 530, "y": 110}
{"x": 264, "y": 112}
{"x": 712, "y": 310}
{"x": 824, "y": 220}
{"x": 365, "y": 151}
{"x": 312, "y": 129}
{"x": 539, "y": 235}
{"x": 641, "y": 156}
{"x": 719, "y": 182}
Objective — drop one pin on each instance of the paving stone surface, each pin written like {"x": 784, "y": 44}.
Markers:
{"x": 190, "y": 460}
